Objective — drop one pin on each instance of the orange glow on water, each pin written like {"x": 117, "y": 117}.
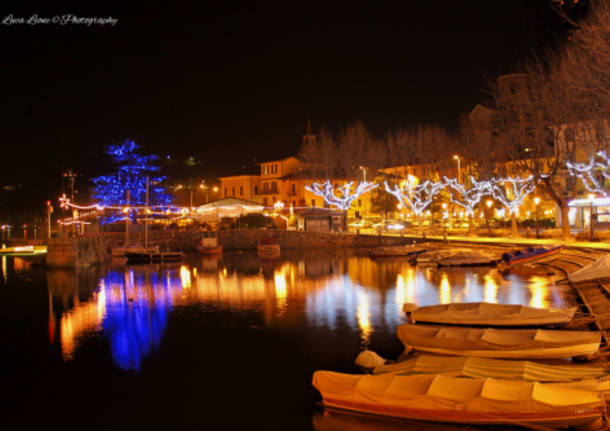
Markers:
{"x": 445, "y": 289}
{"x": 490, "y": 289}
{"x": 539, "y": 289}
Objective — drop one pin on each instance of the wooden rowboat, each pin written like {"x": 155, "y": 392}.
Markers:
{"x": 488, "y": 314}
{"x": 530, "y": 253}
{"x": 432, "y": 397}
{"x": 579, "y": 376}
{"x": 499, "y": 343}
{"x": 396, "y": 251}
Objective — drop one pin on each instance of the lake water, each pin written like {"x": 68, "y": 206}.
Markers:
{"x": 228, "y": 343}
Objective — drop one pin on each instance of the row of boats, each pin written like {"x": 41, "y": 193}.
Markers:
{"x": 267, "y": 247}
{"x": 465, "y": 364}
{"x": 426, "y": 255}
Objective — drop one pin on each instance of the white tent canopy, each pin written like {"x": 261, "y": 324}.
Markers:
{"x": 229, "y": 207}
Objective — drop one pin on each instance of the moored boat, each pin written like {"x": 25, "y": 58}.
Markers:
{"x": 580, "y": 376}
{"x": 499, "y": 343}
{"x": 209, "y": 243}
{"x": 268, "y": 247}
{"x": 396, "y": 251}
{"x": 439, "y": 398}
{"x": 120, "y": 251}
{"x": 530, "y": 253}
{"x": 456, "y": 257}
{"x": 159, "y": 256}
{"x": 489, "y": 314}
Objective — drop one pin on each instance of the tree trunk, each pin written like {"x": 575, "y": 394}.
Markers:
{"x": 565, "y": 223}
{"x": 470, "y": 224}
{"x": 513, "y": 225}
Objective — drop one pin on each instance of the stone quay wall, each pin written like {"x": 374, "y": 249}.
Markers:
{"x": 247, "y": 239}
{"x": 94, "y": 249}
{"x": 79, "y": 251}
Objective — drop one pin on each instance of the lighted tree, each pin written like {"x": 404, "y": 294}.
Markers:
{"x": 346, "y": 195}
{"x": 415, "y": 197}
{"x": 468, "y": 198}
{"x": 131, "y": 175}
{"x": 382, "y": 202}
{"x": 511, "y": 192}
{"x": 587, "y": 172}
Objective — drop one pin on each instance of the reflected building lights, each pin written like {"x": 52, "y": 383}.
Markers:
{"x": 131, "y": 307}
{"x": 539, "y": 290}
{"x": 445, "y": 289}
{"x": 490, "y": 289}
{"x": 364, "y": 316}
{"x": 4, "y": 271}
{"x": 279, "y": 279}
{"x": 185, "y": 277}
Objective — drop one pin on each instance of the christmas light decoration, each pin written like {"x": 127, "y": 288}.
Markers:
{"x": 343, "y": 202}
{"x": 600, "y": 163}
{"x": 415, "y": 197}
{"x": 513, "y": 196}
{"x": 132, "y": 173}
{"x": 468, "y": 198}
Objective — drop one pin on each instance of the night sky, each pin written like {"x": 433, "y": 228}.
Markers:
{"x": 232, "y": 85}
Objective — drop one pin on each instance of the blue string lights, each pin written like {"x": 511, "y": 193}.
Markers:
{"x": 131, "y": 175}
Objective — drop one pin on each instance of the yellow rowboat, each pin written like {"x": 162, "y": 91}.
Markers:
{"x": 499, "y": 343}
{"x": 488, "y": 314}
{"x": 573, "y": 375}
{"x": 431, "y": 397}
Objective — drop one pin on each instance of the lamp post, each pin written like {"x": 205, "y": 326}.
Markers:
{"x": 459, "y": 175}
{"x": 537, "y": 201}
{"x": 591, "y": 197}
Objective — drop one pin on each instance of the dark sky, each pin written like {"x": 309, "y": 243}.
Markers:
{"x": 228, "y": 84}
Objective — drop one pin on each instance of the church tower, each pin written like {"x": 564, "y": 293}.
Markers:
{"x": 308, "y": 137}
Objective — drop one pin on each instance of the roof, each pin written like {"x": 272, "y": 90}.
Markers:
{"x": 230, "y": 202}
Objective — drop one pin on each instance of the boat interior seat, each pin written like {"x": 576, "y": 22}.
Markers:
{"x": 507, "y": 390}
{"x": 446, "y": 388}
{"x": 409, "y": 386}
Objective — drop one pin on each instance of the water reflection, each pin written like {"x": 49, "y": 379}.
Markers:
{"x": 130, "y": 306}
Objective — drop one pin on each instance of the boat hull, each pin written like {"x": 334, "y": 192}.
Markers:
{"x": 526, "y": 255}
{"x": 499, "y": 343}
{"x": 206, "y": 251}
{"x": 489, "y": 314}
{"x": 460, "y": 399}
{"x": 153, "y": 257}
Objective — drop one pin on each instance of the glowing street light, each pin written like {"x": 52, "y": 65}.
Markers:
{"x": 459, "y": 175}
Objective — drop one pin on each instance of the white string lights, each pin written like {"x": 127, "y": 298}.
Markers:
{"x": 344, "y": 201}
{"x": 415, "y": 197}
{"x": 468, "y": 198}
{"x": 512, "y": 197}
{"x": 600, "y": 163}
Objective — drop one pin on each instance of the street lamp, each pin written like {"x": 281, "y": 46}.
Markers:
{"x": 537, "y": 201}
{"x": 591, "y": 197}
{"x": 459, "y": 175}
{"x": 363, "y": 169}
